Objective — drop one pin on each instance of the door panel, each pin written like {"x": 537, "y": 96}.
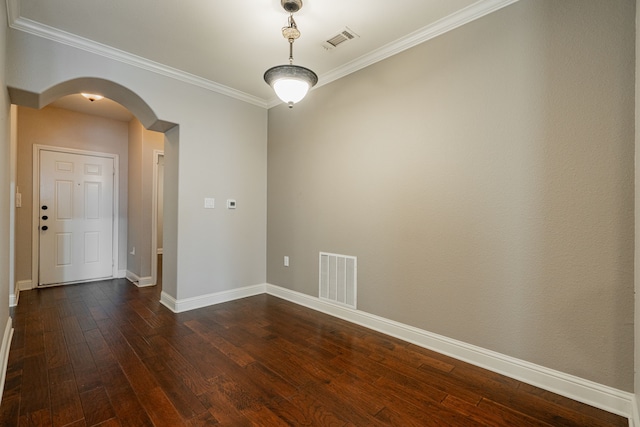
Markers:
{"x": 76, "y": 217}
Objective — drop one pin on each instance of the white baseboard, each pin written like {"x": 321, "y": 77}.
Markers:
{"x": 585, "y": 391}
{"x": 634, "y": 419}
{"x": 140, "y": 282}
{"x": 132, "y": 277}
{"x": 13, "y": 299}
{"x": 27, "y": 285}
{"x": 600, "y": 396}
{"x": 24, "y": 285}
{"x": 145, "y": 281}
{"x": 186, "y": 304}
{"x": 4, "y": 353}
{"x": 168, "y": 301}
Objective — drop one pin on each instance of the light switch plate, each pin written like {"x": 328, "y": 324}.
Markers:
{"x": 209, "y": 203}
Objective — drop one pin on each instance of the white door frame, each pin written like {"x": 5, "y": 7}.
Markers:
{"x": 35, "y": 217}
{"x": 154, "y": 218}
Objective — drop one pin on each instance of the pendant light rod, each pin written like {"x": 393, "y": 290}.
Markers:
{"x": 290, "y": 82}
{"x": 291, "y": 33}
{"x": 290, "y": 51}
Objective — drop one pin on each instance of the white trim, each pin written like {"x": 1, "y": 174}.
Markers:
{"x": 13, "y": 299}
{"x": 186, "y": 304}
{"x": 585, "y": 391}
{"x": 144, "y": 282}
{"x": 451, "y": 22}
{"x": 464, "y": 16}
{"x": 122, "y": 274}
{"x": 24, "y": 285}
{"x": 600, "y": 396}
{"x": 634, "y": 418}
{"x": 35, "y": 211}
{"x": 141, "y": 282}
{"x": 154, "y": 216}
{"x": 13, "y": 189}
{"x": 168, "y": 301}
{"x": 13, "y": 11}
{"x": 132, "y": 277}
{"x": 73, "y": 40}
{"x": 4, "y": 353}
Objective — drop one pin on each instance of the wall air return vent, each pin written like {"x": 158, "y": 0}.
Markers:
{"x": 338, "y": 279}
{"x": 340, "y": 38}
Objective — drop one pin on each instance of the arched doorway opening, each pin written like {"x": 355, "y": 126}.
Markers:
{"x": 148, "y": 120}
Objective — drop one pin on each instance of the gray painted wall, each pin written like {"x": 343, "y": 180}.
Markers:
{"x": 6, "y": 183}
{"x": 484, "y": 180}
{"x": 142, "y": 142}
{"x": 637, "y": 214}
{"x": 217, "y": 150}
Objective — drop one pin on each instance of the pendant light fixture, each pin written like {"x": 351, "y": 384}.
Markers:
{"x": 290, "y": 82}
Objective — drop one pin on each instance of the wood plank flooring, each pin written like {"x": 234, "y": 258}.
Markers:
{"x": 108, "y": 354}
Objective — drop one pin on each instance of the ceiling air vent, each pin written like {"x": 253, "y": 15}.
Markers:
{"x": 340, "y": 38}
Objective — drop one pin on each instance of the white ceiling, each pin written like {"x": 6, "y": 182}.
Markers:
{"x": 227, "y": 46}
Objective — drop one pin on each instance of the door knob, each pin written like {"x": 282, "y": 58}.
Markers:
{"x": 44, "y": 207}
{"x": 44, "y": 228}
{"x": 44, "y": 218}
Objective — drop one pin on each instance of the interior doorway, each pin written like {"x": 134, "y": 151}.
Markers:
{"x": 25, "y": 135}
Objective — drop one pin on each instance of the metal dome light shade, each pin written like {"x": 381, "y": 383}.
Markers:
{"x": 290, "y": 82}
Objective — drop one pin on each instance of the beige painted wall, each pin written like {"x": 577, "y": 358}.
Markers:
{"x": 141, "y": 145}
{"x": 6, "y": 182}
{"x": 63, "y": 128}
{"x": 134, "y": 205}
{"x": 637, "y": 217}
{"x": 484, "y": 180}
{"x": 160, "y": 201}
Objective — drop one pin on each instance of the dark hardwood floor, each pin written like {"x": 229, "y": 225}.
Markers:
{"x": 109, "y": 354}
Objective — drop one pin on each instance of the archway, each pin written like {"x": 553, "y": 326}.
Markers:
{"x": 149, "y": 120}
{"x": 107, "y": 88}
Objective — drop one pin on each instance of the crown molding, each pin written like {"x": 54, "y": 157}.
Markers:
{"x": 63, "y": 37}
{"x": 471, "y": 13}
{"x": 444, "y": 25}
{"x": 13, "y": 11}
{"x": 463, "y": 16}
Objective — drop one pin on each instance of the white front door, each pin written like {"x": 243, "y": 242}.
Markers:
{"x": 76, "y": 217}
